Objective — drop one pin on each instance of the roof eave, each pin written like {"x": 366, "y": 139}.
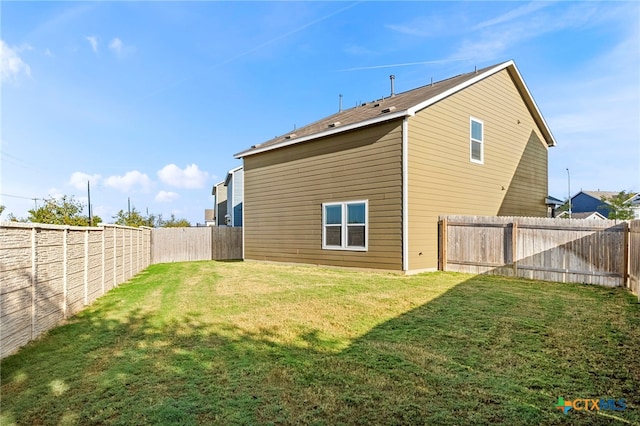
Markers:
{"x": 537, "y": 115}
{"x": 535, "y": 111}
{"x": 330, "y": 132}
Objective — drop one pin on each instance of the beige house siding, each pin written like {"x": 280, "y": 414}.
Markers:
{"x": 441, "y": 178}
{"x": 285, "y": 188}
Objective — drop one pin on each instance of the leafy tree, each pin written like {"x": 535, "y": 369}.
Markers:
{"x": 61, "y": 211}
{"x": 1, "y": 208}
{"x": 176, "y": 223}
{"x": 619, "y": 207}
{"x": 131, "y": 218}
{"x": 137, "y": 219}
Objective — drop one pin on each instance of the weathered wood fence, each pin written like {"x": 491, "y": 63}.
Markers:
{"x": 593, "y": 252}
{"x": 634, "y": 257}
{"x": 49, "y": 273}
{"x": 200, "y": 243}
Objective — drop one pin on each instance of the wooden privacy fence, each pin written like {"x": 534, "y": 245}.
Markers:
{"x": 49, "y": 273}
{"x": 634, "y": 257}
{"x": 600, "y": 252}
{"x": 199, "y": 243}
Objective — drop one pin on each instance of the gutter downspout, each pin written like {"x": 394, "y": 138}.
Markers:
{"x": 405, "y": 194}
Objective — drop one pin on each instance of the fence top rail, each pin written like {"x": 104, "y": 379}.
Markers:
{"x": 34, "y": 225}
{"x": 113, "y": 225}
{"x": 615, "y": 228}
{"x": 538, "y": 222}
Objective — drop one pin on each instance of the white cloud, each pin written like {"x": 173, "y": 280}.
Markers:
{"x": 119, "y": 48}
{"x": 131, "y": 181}
{"x": 514, "y": 14}
{"x": 493, "y": 38}
{"x": 79, "y": 180}
{"x": 55, "y": 193}
{"x": 166, "y": 196}
{"x": 93, "y": 41}
{"x": 190, "y": 177}
{"x": 116, "y": 45}
{"x": 11, "y": 65}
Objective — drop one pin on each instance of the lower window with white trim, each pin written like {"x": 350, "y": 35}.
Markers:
{"x": 345, "y": 225}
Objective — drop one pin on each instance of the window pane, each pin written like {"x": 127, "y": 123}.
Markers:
{"x": 333, "y": 215}
{"x": 476, "y": 130}
{"x": 333, "y": 236}
{"x": 355, "y": 236}
{"x": 476, "y": 150}
{"x": 355, "y": 213}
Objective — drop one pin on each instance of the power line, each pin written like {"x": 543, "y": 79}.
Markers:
{"x": 19, "y": 196}
{"x": 35, "y": 199}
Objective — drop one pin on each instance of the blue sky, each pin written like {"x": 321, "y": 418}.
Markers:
{"x": 150, "y": 100}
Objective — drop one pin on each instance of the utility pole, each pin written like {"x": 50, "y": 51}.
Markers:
{"x": 569, "y": 184}
{"x": 89, "y": 203}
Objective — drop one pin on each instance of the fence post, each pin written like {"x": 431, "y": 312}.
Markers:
{"x": 514, "y": 247}
{"x": 34, "y": 280}
{"x": 103, "y": 248}
{"x": 65, "y": 272}
{"x": 443, "y": 244}
{"x": 86, "y": 268}
{"x": 625, "y": 273}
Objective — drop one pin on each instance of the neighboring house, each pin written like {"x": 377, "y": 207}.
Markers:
{"x": 235, "y": 195}
{"x": 635, "y": 205}
{"x": 209, "y": 217}
{"x": 552, "y": 205}
{"x": 581, "y": 215}
{"x": 590, "y": 201}
{"x": 364, "y": 187}
{"x": 219, "y": 192}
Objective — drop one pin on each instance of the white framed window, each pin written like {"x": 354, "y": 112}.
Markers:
{"x": 345, "y": 225}
{"x": 476, "y": 137}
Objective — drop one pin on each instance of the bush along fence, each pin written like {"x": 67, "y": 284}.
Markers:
{"x": 599, "y": 252}
{"x": 49, "y": 273}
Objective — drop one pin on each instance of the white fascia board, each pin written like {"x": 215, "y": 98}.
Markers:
{"x": 534, "y": 105}
{"x": 381, "y": 119}
{"x": 422, "y": 105}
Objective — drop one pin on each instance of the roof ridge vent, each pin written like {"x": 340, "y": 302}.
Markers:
{"x": 384, "y": 111}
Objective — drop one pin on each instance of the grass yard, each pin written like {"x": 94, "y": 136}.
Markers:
{"x": 253, "y": 343}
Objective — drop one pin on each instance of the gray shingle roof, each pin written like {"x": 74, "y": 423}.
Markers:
{"x": 396, "y": 106}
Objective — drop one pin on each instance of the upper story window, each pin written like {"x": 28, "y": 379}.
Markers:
{"x": 344, "y": 225}
{"x": 476, "y": 146}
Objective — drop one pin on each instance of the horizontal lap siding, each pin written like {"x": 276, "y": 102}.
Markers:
{"x": 443, "y": 180}
{"x": 284, "y": 191}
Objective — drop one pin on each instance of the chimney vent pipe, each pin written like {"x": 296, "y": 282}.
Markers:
{"x": 392, "y": 78}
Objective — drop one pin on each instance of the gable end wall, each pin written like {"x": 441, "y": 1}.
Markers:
{"x": 443, "y": 181}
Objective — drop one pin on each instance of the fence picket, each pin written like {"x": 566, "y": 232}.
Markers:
{"x": 585, "y": 251}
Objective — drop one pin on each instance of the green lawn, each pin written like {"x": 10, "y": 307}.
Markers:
{"x": 253, "y": 343}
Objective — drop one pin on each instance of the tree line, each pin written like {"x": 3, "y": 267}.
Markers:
{"x": 69, "y": 211}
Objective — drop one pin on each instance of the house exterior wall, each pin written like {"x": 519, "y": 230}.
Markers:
{"x": 235, "y": 198}
{"x": 285, "y": 189}
{"x": 443, "y": 181}
{"x": 221, "y": 204}
{"x": 582, "y": 203}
